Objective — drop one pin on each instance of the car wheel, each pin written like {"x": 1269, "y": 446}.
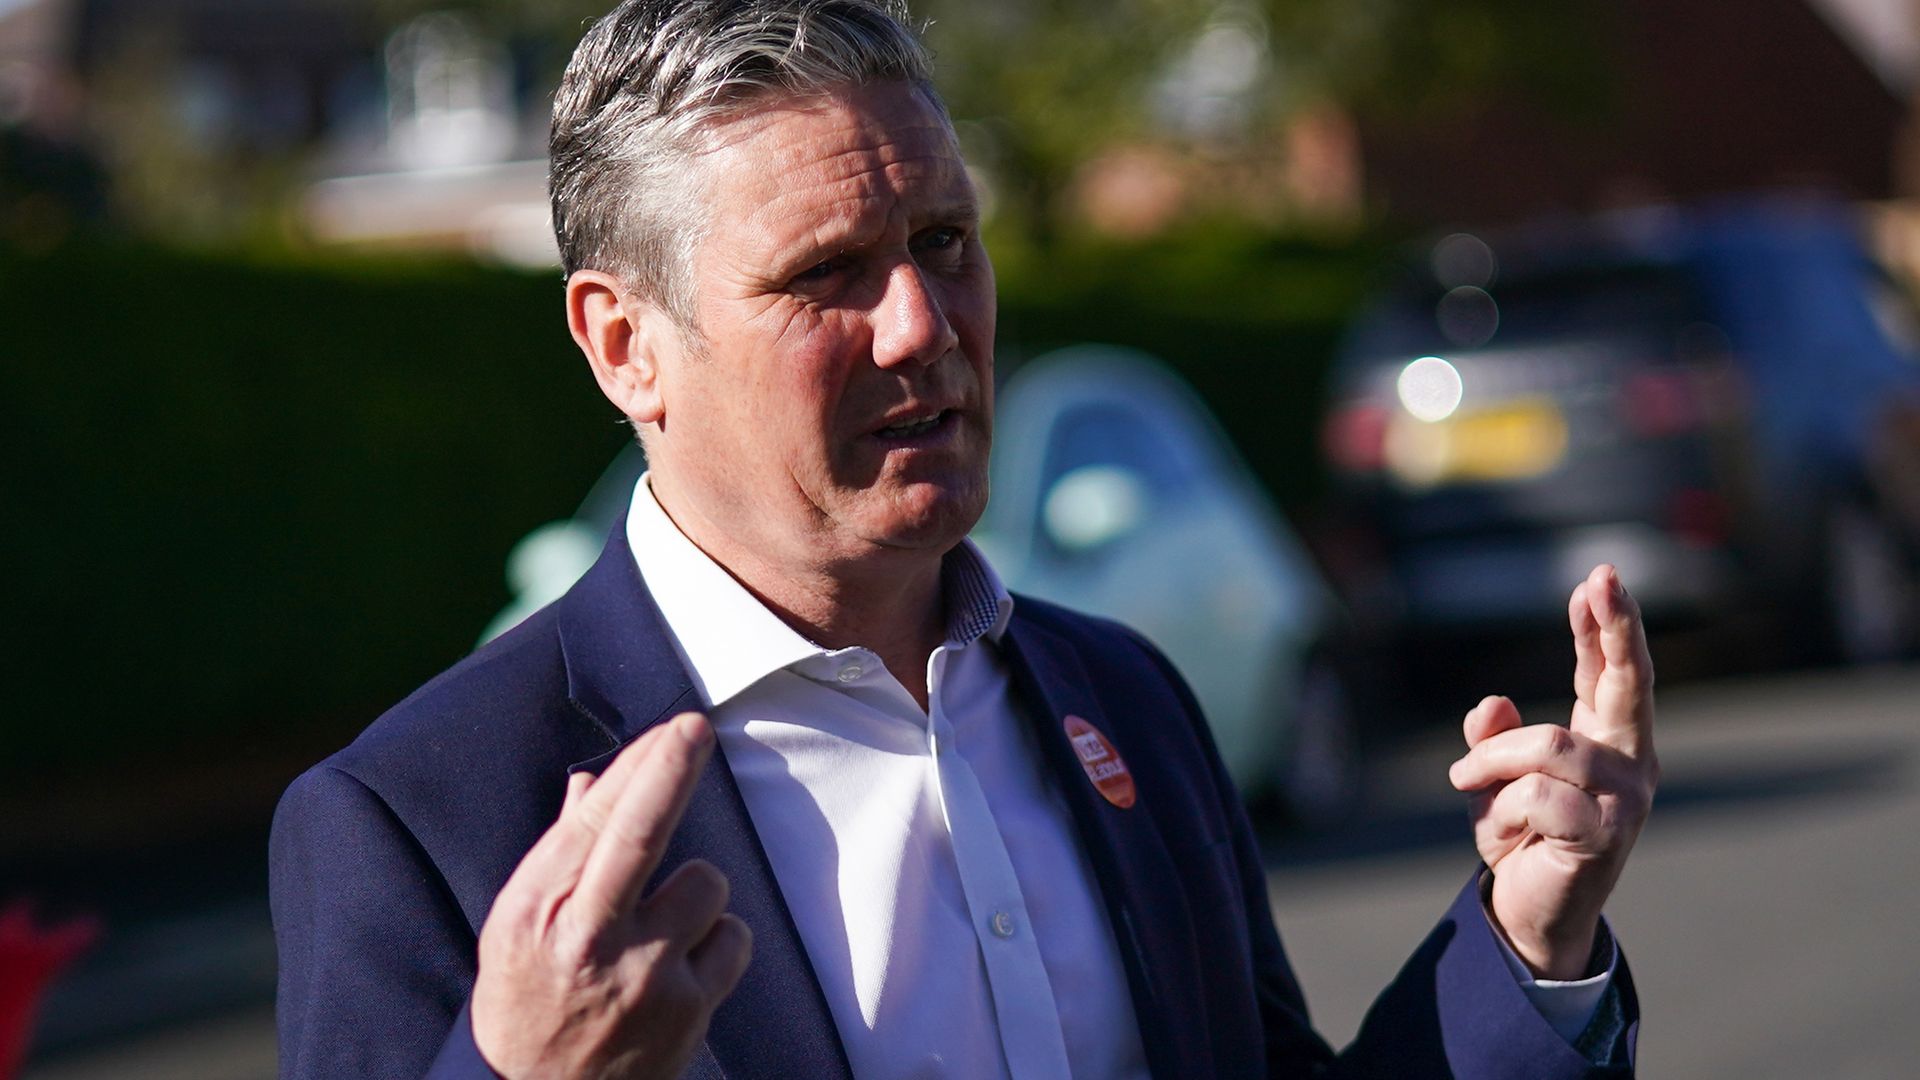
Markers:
{"x": 1872, "y": 606}
{"x": 1319, "y": 778}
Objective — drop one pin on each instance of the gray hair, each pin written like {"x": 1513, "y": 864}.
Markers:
{"x": 652, "y": 77}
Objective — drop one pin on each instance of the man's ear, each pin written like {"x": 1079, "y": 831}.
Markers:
{"x": 625, "y": 339}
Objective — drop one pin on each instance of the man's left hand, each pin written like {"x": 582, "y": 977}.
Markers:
{"x": 1556, "y": 809}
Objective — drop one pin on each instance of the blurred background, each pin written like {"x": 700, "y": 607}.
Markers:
{"x": 1338, "y": 340}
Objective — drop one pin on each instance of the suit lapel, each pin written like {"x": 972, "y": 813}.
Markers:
{"x": 1138, "y": 879}
{"x": 624, "y": 675}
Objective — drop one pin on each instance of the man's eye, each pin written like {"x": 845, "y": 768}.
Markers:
{"x": 819, "y": 271}
{"x": 941, "y": 239}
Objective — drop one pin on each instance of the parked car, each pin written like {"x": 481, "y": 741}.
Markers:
{"x": 1115, "y": 492}
{"x": 1693, "y": 394}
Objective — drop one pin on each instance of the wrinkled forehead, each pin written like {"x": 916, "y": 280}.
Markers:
{"x": 881, "y": 103}
{"x": 834, "y": 135}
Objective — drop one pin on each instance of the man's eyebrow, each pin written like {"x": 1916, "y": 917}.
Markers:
{"x": 956, "y": 210}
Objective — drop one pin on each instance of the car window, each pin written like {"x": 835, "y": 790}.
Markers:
{"x": 1646, "y": 308}
{"x": 1112, "y": 434}
{"x": 1893, "y": 312}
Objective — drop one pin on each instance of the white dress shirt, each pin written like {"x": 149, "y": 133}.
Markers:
{"x": 933, "y": 872}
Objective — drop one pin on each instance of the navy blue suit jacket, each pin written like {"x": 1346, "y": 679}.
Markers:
{"x": 386, "y": 857}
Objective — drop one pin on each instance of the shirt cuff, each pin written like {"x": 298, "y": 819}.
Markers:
{"x": 1567, "y": 1005}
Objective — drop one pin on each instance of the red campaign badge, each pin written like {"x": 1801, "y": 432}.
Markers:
{"x": 1101, "y": 761}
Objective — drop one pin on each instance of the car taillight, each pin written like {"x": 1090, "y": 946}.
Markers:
{"x": 1355, "y": 437}
{"x": 1659, "y": 403}
{"x": 1699, "y": 518}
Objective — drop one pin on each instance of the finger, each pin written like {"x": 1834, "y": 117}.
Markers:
{"x": 1535, "y": 805}
{"x": 722, "y": 956}
{"x": 1539, "y": 748}
{"x": 683, "y": 909}
{"x": 598, "y": 802}
{"x": 577, "y": 786}
{"x": 551, "y": 866}
{"x": 634, "y": 835}
{"x": 1622, "y": 712}
{"x": 1492, "y": 716}
{"x": 594, "y": 808}
{"x": 1589, "y": 661}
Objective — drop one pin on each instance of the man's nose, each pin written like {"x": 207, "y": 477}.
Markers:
{"x": 909, "y": 326}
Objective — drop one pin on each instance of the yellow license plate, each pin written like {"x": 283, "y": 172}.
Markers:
{"x": 1515, "y": 441}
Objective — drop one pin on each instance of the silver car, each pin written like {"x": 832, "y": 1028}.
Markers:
{"x": 1115, "y": 492}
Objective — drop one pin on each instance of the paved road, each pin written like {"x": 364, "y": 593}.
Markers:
{"x": 1769, "y": 911}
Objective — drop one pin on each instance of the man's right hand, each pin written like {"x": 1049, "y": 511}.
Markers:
{"x": 579, "y": 975}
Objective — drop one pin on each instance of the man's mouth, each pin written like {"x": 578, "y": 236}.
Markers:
{"x": 913, "y": 429}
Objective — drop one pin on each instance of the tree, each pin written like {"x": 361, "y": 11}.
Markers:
{"x": 1406, "y": 58}
{"x": 1042, "y": 85}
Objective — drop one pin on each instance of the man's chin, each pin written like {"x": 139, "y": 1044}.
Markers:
{"x": 928, "y": 517}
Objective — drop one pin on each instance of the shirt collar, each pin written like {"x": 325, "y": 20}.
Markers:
{"x": 978, "y": 604}
{"x": 729, "y": 640}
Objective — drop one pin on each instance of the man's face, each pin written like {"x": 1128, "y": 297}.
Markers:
{"x": 840, "y": 397}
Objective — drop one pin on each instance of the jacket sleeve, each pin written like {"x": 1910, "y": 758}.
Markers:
{"x": 376, "y": 959}
{"x": 1454, "y": 1009}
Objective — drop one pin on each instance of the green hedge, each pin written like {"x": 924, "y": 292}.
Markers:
{"x": 1250, "y": 320}
{"x": 248, "y": 500}
{"x": 245, "y": 497}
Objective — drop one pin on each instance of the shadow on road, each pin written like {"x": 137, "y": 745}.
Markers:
{"x": 189, "y": 937}
{"x": 1854, "y": 774}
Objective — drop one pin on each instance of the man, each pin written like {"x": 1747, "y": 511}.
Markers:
{"x": 945, "y": 832}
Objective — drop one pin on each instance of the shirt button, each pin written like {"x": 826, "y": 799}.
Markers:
{"x": 849, "y": 673}
{"x": 1002, "y": 924}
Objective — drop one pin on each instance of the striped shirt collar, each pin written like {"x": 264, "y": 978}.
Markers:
{"x": 728, "y": 640}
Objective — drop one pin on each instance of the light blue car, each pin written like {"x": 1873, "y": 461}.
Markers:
{"x": 1115, "y": 492}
